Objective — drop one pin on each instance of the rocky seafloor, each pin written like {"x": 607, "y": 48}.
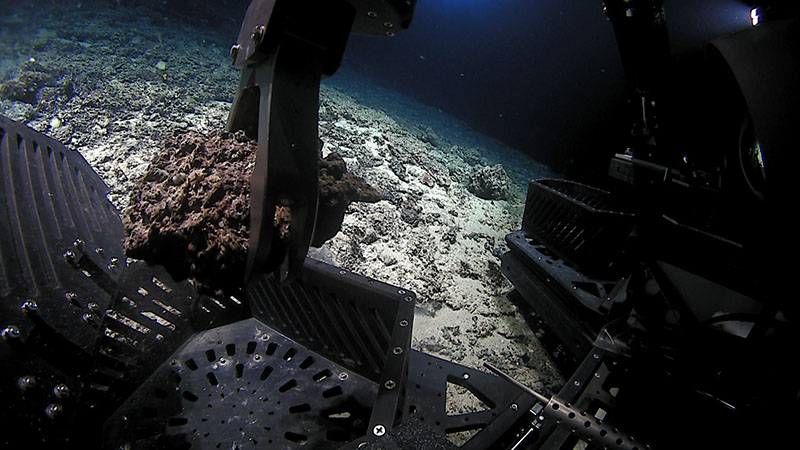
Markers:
{"x": 112, "y": 83}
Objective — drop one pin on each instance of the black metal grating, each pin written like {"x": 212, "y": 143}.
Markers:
{"x": 244, "y": 386}
{"x": 349, "y": 319}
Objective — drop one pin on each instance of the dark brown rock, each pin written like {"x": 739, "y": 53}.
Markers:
{"x": 191, "y": 210}
{"x": 337, "y": 189}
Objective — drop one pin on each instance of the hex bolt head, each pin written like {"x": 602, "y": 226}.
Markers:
{"x": 379, "y": 430}
{"x": 79, "y": 244}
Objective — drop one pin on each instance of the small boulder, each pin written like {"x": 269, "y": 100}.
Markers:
{"x": 489, "y": 183}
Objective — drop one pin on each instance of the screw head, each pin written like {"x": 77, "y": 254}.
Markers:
{"x": 514, "y": 407}
{"x": 53, "y": 410}
{"x": 29, "y": 307}
{"x": 403, "y": 323}
{"x": 69, "y": 256}
{"x": 343, "y": 376}
{"x": 78, "y": 243}
{"x": 61, "y": 390}
{"x": 71, "y": 297}
{"x": 390, "y": 384}
{"x": 258, "y": 33}
{"x": 9, "y": 333}
{"x": 397, "y": 350}
{"x": 465, "y": 376}
{"x": 379, "y": 430}
{"x": 26, "y": 382}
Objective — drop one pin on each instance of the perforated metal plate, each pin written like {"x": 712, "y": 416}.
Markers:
{"x": 503, "y": 404}
{"x": 242, "y": 386}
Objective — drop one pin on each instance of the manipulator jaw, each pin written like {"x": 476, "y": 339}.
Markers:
{"x": 284, "y": 49}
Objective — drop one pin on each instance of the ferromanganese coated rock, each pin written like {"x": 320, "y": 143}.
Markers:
{"x": 191, "y": 210}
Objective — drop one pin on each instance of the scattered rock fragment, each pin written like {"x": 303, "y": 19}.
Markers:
{"x": 489, "y": 183}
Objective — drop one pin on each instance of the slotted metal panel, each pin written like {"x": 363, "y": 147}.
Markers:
{"x": 60, "y": 244}
{"x": 352, "y": 320}
{"x": 59, "y": 235}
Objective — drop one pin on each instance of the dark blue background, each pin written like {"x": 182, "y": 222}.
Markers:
{"x": 541, "y": 75}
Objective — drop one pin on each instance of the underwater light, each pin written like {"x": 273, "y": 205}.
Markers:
{"x": 755, "y": 16}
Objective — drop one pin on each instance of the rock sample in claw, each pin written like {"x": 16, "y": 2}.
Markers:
{"x": 337, "y": 189}
{"x": 191, "y": 210}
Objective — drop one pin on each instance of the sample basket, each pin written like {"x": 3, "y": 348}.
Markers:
{"x": 579, "y": 223}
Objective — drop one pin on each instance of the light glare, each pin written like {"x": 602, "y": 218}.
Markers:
{"x": 755, "y": 16}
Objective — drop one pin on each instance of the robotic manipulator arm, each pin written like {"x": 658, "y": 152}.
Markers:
{"x": 284, "y": 49}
